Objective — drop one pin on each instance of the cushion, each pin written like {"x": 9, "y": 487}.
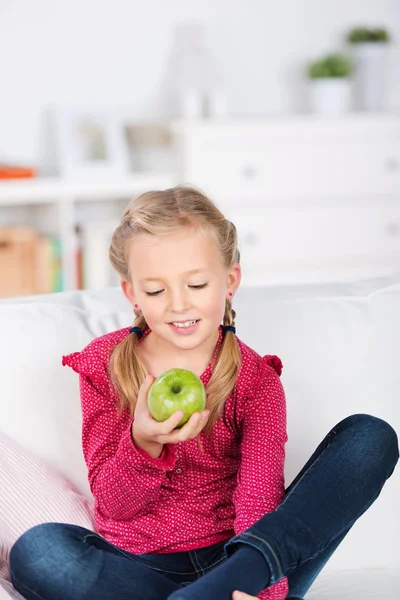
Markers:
{"x": 32, "y": 492}
{"x": 339, "y": 344}
{"x": 42, "y": 412}
{"x": 362, "y": 584}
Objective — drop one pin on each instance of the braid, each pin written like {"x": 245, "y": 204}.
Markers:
{"x": 230, "y": 314}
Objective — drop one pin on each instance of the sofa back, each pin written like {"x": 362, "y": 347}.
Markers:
{"x": 340, "y": 347}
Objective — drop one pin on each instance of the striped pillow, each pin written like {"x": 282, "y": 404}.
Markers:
{"x": 32, "y": 492}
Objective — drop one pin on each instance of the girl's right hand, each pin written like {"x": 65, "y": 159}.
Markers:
{"x": 151, "y": 435}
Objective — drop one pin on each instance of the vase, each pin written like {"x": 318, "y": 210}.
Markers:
{"x": 330, "y": 96}
{"x": 370, "y": 63}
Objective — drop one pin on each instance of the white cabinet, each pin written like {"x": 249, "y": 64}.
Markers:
{"x": 312, "y": 199}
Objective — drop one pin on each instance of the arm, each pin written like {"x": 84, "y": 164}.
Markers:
{"x": 124, "y": 479}
{"x": 261, "y": 486}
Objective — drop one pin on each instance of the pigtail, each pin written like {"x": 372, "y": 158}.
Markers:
{"x": 224, "y": 370}
{"x": 127, "y": 371}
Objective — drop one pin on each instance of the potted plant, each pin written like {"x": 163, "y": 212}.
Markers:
{"x": 330, "y": 84}
{"x": 370, "y": 49}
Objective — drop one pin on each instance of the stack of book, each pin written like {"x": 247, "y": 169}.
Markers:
{"x": 94, "y": 268}
{"x": 30, "y": 263}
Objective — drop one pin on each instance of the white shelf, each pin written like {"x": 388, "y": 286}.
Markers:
{"x": 53, "y": 189}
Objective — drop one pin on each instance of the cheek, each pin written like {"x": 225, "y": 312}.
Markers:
{"x": 214, "y": 304}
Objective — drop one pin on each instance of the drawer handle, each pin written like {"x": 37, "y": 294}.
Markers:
{"x": 249, "y": 172}
{"x": 392, "y": 164}
{"x": 393, "y": 229}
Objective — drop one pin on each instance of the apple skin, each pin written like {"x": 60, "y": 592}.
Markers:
{"x": 176, "y": 389}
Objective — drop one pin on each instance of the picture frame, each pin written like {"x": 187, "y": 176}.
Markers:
{"x": 89, "y": 142}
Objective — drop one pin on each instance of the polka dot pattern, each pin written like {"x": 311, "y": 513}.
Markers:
{"x": 187, "y": 498}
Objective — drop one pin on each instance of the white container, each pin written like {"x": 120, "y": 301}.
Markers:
{"x": 216, "y": 104}
{"x": 330, "y": 96}
{"x": 191, "y": 101}
{"x": 370, "y": 63}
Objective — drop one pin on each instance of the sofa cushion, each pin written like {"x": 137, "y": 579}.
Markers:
{"x": 41, "y": 406}
{"x": 339, "y": 344}
{"x": 362, "y": 584}
{"x": 32, "y": 492}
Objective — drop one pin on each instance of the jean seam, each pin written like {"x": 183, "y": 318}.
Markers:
{"x": 280, "y": 575}
{"x": 215, "y": 563}
{"x": 193, "y": 559}
{"x": 163, "y": 570}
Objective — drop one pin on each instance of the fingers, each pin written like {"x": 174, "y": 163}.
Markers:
{"x": 143, "y": 391}
{"x": 242, "y": 596}
{"x": 189, "y": 431}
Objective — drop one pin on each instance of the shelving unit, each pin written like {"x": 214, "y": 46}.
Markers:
{"x": 57, "y": 202}
{"x": 313, "y": 199}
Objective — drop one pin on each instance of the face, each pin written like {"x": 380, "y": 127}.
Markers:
{"x": 167, "y": 291}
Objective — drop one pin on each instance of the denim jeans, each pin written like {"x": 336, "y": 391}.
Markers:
{"x": 340, "y": 481}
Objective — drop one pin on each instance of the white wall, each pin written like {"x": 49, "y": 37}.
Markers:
{"x": 115, "y": 53}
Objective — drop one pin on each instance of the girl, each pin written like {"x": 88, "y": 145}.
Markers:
{"x": 199, "y": 512}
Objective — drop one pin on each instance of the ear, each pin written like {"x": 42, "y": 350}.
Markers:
{"x": 234, "y": 277}
{"x": 127, "y": 289}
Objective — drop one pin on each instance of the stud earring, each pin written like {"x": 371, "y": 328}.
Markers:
{"x": 230, "y": 293}
{"x": 136, "y": 306}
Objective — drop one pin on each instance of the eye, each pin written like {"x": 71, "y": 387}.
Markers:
{"x": 154, "y": 293}
{"x": 198, "y": 287}
{"x": 194, "y": 287}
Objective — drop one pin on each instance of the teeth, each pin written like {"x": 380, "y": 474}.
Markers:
{"x": 186, "y": 324}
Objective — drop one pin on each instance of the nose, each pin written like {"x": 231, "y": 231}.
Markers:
{"x": 179, "y": 301}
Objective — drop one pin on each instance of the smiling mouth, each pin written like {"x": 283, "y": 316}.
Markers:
{"x": 183, "y": 324}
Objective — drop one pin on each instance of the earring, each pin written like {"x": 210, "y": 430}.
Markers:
{"x": 230, "y": 293}
{"x": 137, "y": 306}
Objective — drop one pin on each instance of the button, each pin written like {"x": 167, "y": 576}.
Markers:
{"x": 178, "y": 470}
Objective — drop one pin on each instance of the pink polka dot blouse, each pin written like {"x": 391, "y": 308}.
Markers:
{"x": 187, "y": 498}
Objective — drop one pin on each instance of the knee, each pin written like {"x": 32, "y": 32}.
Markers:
{"x": 375, "y": 434}
{"x": 29, "y": 548}
{"x": 33, "y": 556}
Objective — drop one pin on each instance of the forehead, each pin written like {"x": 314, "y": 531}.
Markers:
{"x": 173, "y": 255}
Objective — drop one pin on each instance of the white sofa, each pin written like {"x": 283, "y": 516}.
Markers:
{"x": 340, "y": 347}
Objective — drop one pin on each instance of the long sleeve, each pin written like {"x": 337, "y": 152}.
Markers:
{"x": 261, "y": 487}
{"x": 123, "y": 478}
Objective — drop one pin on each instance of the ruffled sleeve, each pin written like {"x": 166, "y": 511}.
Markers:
{"x": 273, "y": 361}
{"x": 91, "y": 362}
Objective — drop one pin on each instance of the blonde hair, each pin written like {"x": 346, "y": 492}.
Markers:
{"x": 162, "y": 213}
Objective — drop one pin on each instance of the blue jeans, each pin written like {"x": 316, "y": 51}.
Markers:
{"x": 340, "y": 481}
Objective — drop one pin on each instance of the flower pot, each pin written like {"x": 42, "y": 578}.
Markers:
{"x": 370, "y": 60}
{"x": 330, "y": 96}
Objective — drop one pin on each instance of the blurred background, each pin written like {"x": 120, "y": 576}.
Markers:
{"x": 286, "y": 114}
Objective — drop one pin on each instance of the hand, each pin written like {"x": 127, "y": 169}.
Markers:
{"x": 242, "y": 596}
{"x": 146, "y": 431}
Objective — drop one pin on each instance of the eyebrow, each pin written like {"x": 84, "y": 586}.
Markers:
{"x": 191, "y": 272}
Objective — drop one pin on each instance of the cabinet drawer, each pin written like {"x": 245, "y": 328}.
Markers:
{"x": 250, "y": 168}
{"x": 317, "y": 235}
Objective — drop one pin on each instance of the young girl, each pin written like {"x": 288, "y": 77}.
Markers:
{"x": 201, "y": 511}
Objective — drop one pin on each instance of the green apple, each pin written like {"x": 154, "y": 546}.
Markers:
{"x": 176, "y": 389}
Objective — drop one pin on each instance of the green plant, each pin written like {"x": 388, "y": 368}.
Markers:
{"x": 360, "y": 35}
{"x": 331, "y": 65}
